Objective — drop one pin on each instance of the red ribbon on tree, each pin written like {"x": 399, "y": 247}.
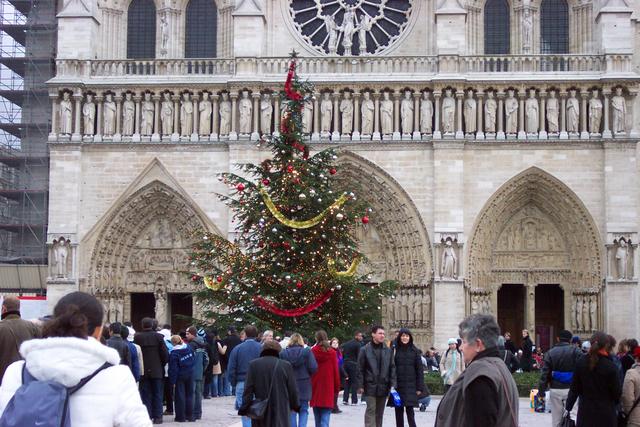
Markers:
{"x": 294, "y": 312}
{"x": 288, "y": 87}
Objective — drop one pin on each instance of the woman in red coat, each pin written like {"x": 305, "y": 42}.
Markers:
{"x": 325, "y": 383}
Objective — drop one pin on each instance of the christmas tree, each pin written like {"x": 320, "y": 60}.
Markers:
{"x": 295, "y": 262}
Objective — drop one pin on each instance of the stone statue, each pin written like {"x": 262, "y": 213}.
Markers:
{"x": 573, "y": 112}
{"x": 553, "y": 110}
{"x": 146, "y": 120}
{"x": 585, "y": 312}
{"x": 595, "y": 112}
{"x": 326, "y": 111}
{"x": 161, "y": 305}
{"x": 619, "y": 111}
{"x": 449, "y": 261}
{"x": 346, "y": 109}
{"x": 622, "y": 252}
{"x": 511, "y": 112}
{"x": 469, "y": 111}
{"x": 574, "y": 326}
{"x": 486, "y": 304}
{"x": 109, "y": 115}
{"x": 426, "y": 306}
{"x": 89, "y": 115}
{"x": 365, "y": 25}
{"x": 404, "y": 315}
{"x": 245, "y": 107}
{"x": 396, "y": 309}
{"x": 448, "y": 112}
{"x": 406, "y": 113}
{"x": 332, "y": 31}
{"x": 367, "y": 112}
{"x": 386, "y": 114}
{"x": 490, "y": 113}
{"x": 66, "y": 114}
{"x": 186, "y": 115}
{"x": 348, "y": 28}
{"x": 527, "y": 28}
{"x": 411, "y": 315}
{"x": 417, "y": 308}
{"x": 164, "y": 34}
{"x": 166, "y": 114}
{"x": 60, "y": 255}
{"x": 578, "y": 312}
{"x": 266, "y": 113}
{"x": 307, "y": 115}
{"x": 225, "y": 114}
{"x": 593, "y": 312}
{"x": 475, "y": 304}
{"x": 204, "y": 119}
{"x": 532, "y": 110}
{"x": 128, "y": 114}
{"x": 426, "y": 114}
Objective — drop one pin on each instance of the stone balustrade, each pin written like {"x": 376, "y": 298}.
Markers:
{"x": 353, "y": 66}
{"x": 354, "y": 113}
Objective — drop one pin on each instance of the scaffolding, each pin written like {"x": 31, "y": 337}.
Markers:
{"x": 27, "y": 52}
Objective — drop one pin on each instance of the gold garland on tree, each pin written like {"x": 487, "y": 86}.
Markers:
{"x": 347, "y": 273}
{"x": 300, "y": 224}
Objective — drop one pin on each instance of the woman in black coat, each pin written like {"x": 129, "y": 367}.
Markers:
{"x": 596, "y": 383}
{"x": 409, "y": 377}
{"x": 526, "y": 363}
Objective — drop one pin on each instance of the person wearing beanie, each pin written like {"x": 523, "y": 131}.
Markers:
{"x": 557, "y": 373}
{"x": 451, "y": 364}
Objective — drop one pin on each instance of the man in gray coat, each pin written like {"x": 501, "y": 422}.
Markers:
{"x": 377, "y": 375}
{"x": 13, "y": 332}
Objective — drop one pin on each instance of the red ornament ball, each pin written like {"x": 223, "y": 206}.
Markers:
{"x": 333, "y": 171}
{"x": 298, "y": 284}
{"x": 289, "y": 168}
{"x": 219, "y": 279}
{"x": 266, "y": 181}
{"x": 240, "y": 187}
{"x": 286, "y": 245}
{"x": 365, "y": 219}
{"x": 194, "y": 278}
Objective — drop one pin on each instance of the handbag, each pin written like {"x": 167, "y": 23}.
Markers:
{"x": 258, "y": 407}
{"x": 623, "y": 418}
{"x": 567, "y": 421}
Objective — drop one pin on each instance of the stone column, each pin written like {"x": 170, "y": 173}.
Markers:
{"x": 175, "y": 136}
{"x": 77, "y": 135}
{"x": 563, "y": 116}
{"x": 459, "y": 130}
{"x": 606, "y": 133}
{"x": 635, "y": 114}
{"x": 416, "y": 116}
{"x": 335, "y": 136}
{"x": 214, "y": 117}
{"x": 117, "y": 136}
{"x": 396, "y": 117}
{"x": 53, "y": 135}
{"x": 156, "y": 118}
{"x": 522, "y": 134}
{"x": 136, "y": 132}
{"x": 195, "y": 131}
{"x": 276, "y": 115}
{"x": 436, "y": 108}
{"x": 500, "y": 113}
{"x": 233, "y": 134}
{"x": 255, "y": 135}
{"x": 355, "y": 136}
{"x": 543, "y": 116}
{"x": 315, "y": 136}
{"x": 584, "y": 119}
{"x": 480, "y": 111}
{"x": 98, "y": 136}
{"x": 376, "y": 118}
{"x": 530, "y": 308}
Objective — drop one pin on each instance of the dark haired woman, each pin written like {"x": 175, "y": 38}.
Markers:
{"x": 596, "y": 383}
{"x": 71, "y": 351}
{"x": 409, "y": 377}
{"x": 325, "y": 383}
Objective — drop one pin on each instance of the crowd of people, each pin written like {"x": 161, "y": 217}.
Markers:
{"x": 118, "y": 376}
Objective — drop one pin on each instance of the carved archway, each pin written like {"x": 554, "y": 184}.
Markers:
{"x": 535, "y": 230}
{"x": 143, "y": 246}
{"x": 397, "y": 244}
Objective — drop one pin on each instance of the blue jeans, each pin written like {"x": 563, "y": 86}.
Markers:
{"x": 322, "y": 416}
{"x": 197, "y": 399}
{"x": 225, "y": 385}
{"x": 151, "y": 391}
{"x": 184, "y": 398}
{"x": 425, "y": 400}
{"x": 300, "y": 419}
{"x": 246, "y": 421}
{"x": 213, "y": 386}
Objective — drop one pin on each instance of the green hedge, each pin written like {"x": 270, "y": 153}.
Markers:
{"x": 525, "y": 381}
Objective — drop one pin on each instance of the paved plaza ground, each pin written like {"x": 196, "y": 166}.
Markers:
{"x": 219, "y": 412}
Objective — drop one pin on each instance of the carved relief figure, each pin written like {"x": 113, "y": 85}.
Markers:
{"x": 365, "y": 25}
{"x": 449, "y": 261}
{"x": 89, "y": 115}
{"x": 332, "y": 31}
{"x": 225, "y": 114}
{"x": 553, "y": 109}
{"x": 60, "y": 255}
{"x": 578, "y": 312}
{"x": 348, "y": 28}
{"x": 406, "y": 113}
{"x": 585, "y": 312}
{"x": 186, "y": 115}
{"x": 109, "y": 115}
{"x": 595, "y": 112}
{"x": 417, "y": 307}
{"x": 66, "y": 114}
{"x": 448, "y": 112}
{"x": 593, "y": 312}
{"x": 527, "y": 28}
{"x": 326, "y": 111}
{"x": 532, "y": 110}
{"x": 619, "y": 111}
{"x": 573, "y": 112}
{"x": 404, "y": 312}
{"x": 621, "y": 259}
{"x": 307, "y": 114}
{"x": 146, "y": 121}
{"x": 266, "y": 113}
{"x": 161, "y": 305}
{"x": 511, "y": 112}
{"x": 204, "y": 119}
{"x": 396, "y": 309}
{"x": 386, "y": 114}
{"x": 426, "y": 306}
{"x": 128, "y": 114}
{"x": 166, "y": 114}
{"x": 469, "y": 110}
{"x": 245, "y": 107}
{"x": 346, "y": 109}
{"x": 367, "y": 113}
{"x": 164, "y": 34}
{"x": 490, "y": 113}
{"x": 426, "y": 113}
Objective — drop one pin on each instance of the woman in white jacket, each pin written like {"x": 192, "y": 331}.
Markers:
{"x": 71, "y": 351}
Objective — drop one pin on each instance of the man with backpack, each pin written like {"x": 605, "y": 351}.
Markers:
{"x": 182, "y": 361}
{"x": 451, "y": 364}
{"x": 155, "y": 356}
{"x": 201, "y": 351}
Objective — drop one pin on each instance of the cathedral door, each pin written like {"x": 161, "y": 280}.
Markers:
{"x": 511, "y": 298}
{"x": 180, "y": 311}
{"x": 142, "y": 305}
{"x": 549, "y": 314}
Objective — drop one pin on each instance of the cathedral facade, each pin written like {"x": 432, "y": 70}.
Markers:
{"x": 496, "y": 140}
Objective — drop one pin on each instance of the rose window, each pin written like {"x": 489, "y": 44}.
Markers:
{"x": 350, "y": 27}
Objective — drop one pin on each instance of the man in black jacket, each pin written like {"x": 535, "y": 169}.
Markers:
{"x": 116, "y": 342}
{"x": 557, "y": 373}
{"x": 350, "y": 351}
{"x": 155, "y": 356}
{"x": 376, "y": 375}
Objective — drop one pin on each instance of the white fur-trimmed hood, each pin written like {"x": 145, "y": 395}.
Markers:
{"x": 66, "y": 360}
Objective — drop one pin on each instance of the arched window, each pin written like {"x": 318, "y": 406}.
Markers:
{"x": 496, "y": 27}
{"x": 554, "y": 23}
{"x": 141, "y": 29}
{"x": 201, "y": 28}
